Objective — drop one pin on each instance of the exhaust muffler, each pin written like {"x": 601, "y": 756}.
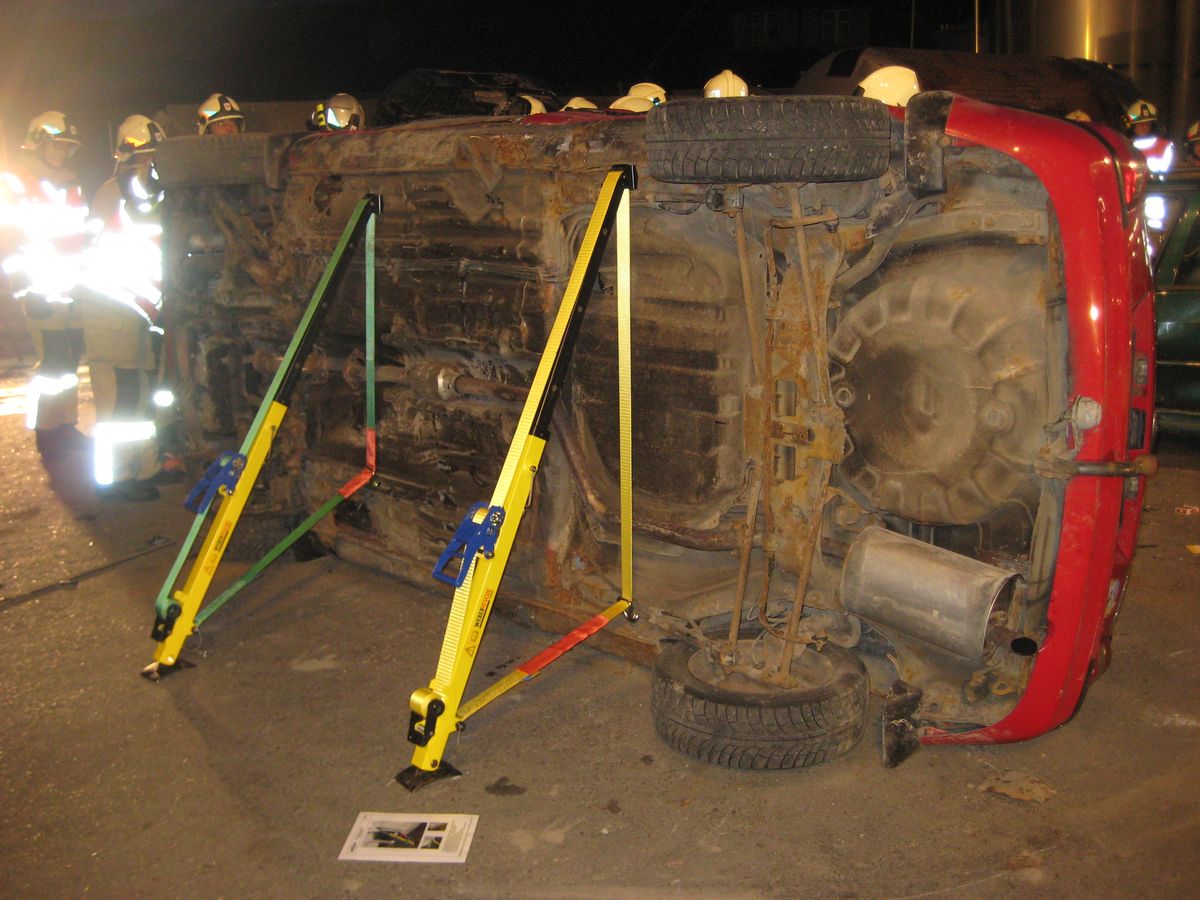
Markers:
{"x": 937, "y": 596}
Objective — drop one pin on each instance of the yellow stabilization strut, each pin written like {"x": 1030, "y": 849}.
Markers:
{"x": 191, "y": 595}
{"x": 485, "y": 538}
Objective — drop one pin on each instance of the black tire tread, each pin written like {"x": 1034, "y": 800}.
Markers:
{"x": 768, "y": 139}
{"x": 764, "y": 732}
{"x": 760, "y": 756}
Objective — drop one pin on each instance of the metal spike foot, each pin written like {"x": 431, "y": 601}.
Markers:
{"x": 156, "y": 671}
{"x": 901, "y": 723}
{"x": 414, "y": 779}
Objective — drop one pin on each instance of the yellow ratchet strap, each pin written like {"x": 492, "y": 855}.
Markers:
{"x": 435, "y": 710}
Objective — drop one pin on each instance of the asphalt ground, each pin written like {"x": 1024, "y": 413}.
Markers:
{"x": 243, "y": 776}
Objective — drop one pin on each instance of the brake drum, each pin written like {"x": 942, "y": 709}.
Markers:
{"x": 942, "y": 379}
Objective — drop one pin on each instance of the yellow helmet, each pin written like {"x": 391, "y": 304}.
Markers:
{"x": 536, "y": 106}
{"x": 344, "y": 113}
{"x": 1193, "y": 133}
{"x": 1078, "y": 115}
{"x": 726, "y": 84}
{"x": 893, "y": 85}
{"x": 1141, "y": 111}
{"x": 630, "y": 103}
{"x": 137, "y": 135}
{"x": 579, "y": 103}
{"x": 51, "y": 127}
{"x": 648, "y": 89}
{"x": 219, "y": 108}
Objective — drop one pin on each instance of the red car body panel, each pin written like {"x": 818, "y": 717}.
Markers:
{"x": 1110, "y": 317}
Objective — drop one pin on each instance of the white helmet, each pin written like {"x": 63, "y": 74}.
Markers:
{"x": 726, "y": 84}
{"x": 893, "y": 85}
{"x": 630, "y": 103}
{"x": 51, "y": 127}
{"x": 536, "y": 106}
{"x": 137, "y": 135}
{"x": 219, "y": 108}
{"x": 579, "y": 103}
{"x": 648, "y": 89}
{"x": 1141, "y": 111}
{"x": 344, "y": 113}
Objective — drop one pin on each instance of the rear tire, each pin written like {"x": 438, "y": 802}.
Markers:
{"x": 768, "y": 139}
{"x": 740, "y": 726}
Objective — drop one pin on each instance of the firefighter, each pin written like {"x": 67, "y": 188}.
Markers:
{"x": 893, "y": 85}
{"x": 1191, "y": 147}
{"x": 651, "y": 91}
{"x": 529, "y": 105}
{"x": 1141, "y": 121}
{"x": 726, "y": 84}
{"x": 120, "y": 296}
{"x": 316, "y": 118}
{"x": 578, "y": 103}
{"x": 43, "y": 217}
{"x": 641, "y": 97}
{"x": 341, "y": 112}
{"x": 220, "y": 114}
{"x": 137, "y": 138}
{"x": 629, "y": 103}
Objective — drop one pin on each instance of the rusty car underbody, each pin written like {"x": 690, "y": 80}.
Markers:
{"x": 840, "y": 387}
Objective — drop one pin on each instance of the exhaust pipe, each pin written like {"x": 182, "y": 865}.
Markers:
{"x": 939, "y": 597}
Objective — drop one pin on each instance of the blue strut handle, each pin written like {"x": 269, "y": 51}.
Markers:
{"x": 470, "y": 538}
{"x": 224, "y": 473}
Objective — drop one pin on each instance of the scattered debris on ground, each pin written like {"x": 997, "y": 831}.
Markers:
{"x": 1018, "y": 786}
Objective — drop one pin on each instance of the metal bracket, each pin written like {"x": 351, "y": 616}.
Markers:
{"x": 470, "y": 538}
{"x": 681, "y": 626}
{"x": 222, "y": 475}
{"x": 420, "y": 736}
{"x": 165, "y": 624}
{"x": 901, "y": 723}
{"x": 1050, "y": 467}
{"x": 925, "y": 141}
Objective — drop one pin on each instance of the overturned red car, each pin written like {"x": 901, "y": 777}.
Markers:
{"x": 892, "y": 391}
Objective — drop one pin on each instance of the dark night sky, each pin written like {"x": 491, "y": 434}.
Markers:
{"x": 99, "y": 61}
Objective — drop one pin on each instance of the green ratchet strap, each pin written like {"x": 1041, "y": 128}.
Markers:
{"x": 350, "y": 487}
{"x": 178, "y": 611}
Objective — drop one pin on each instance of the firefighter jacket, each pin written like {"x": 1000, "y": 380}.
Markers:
{"x": 42, "y": 229}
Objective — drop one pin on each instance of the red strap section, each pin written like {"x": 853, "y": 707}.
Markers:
{"x": 367, "y": 473}
{"x": 554, "y": 651}
{"x": 355, "y": 483}
{"x": 577, "y": 116}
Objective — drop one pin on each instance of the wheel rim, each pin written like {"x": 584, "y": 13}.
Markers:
{"x": 810, "y": 669}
